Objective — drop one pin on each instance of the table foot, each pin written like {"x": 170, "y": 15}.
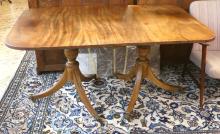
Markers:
{"x": 127, "y": 116}
{"x": 101, "y": 120}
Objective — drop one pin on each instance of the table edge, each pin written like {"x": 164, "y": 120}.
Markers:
{"x": 8, "y": 44}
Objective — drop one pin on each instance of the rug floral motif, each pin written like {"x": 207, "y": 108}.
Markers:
{"x": 156, "y": 111}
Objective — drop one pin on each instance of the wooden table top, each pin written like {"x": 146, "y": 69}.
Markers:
{"x": 92, "y": 26}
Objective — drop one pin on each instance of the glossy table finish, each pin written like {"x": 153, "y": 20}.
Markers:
{"x": 100, "y": 26}
{"x": 96, "y": 26}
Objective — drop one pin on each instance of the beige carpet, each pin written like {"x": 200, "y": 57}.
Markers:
{"x": 9, "y": 58}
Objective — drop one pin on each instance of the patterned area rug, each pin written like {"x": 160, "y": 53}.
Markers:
{"x": 156, "y": 111}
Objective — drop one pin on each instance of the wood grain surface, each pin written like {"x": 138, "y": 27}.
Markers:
{"x": 96, "y": 26}
{"x": 54, "y": 60}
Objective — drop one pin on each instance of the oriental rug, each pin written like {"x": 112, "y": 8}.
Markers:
{"x": 156, "y": 111}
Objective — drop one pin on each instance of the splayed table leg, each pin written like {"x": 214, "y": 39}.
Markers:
{"x": 71, "y": 74}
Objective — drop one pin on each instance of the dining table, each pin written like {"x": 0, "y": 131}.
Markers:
{"x": 73, "y": 28}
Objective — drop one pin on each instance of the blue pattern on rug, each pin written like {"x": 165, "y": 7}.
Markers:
{"x": 156, "y": 110}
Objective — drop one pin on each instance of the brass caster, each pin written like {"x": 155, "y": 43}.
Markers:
{"x": 101, "y": 120}
{"x": 127, "y": 116}
{"x": 33, "y": 98}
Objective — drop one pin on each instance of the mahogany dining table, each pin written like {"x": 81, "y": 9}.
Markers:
{"x": 72, "y": 28}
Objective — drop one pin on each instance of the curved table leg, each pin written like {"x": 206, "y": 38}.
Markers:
{"x": 80, "y": 90}
{"x": 136, "y": 89}
{"x": 77, "y": 81}
{"x": 53, "y": 89}
{"x": 150, "y": 76}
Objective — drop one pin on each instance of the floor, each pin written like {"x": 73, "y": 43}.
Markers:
{"x": 9, "y": 58}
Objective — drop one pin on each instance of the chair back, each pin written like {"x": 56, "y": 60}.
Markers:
{"x": 208, "y": 12}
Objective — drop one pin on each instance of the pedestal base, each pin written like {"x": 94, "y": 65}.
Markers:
{"x": 142, "y": 70}
{"x": 71, "y": 74}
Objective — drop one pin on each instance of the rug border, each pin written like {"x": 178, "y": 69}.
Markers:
{"x": 13, "y": 78}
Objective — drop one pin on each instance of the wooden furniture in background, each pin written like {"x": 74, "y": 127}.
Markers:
{"x": 54, "y": 60}
{"x": 170, "y": 53}
{"x": 77, "y": 27}
{"x": 208, "y": 12}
